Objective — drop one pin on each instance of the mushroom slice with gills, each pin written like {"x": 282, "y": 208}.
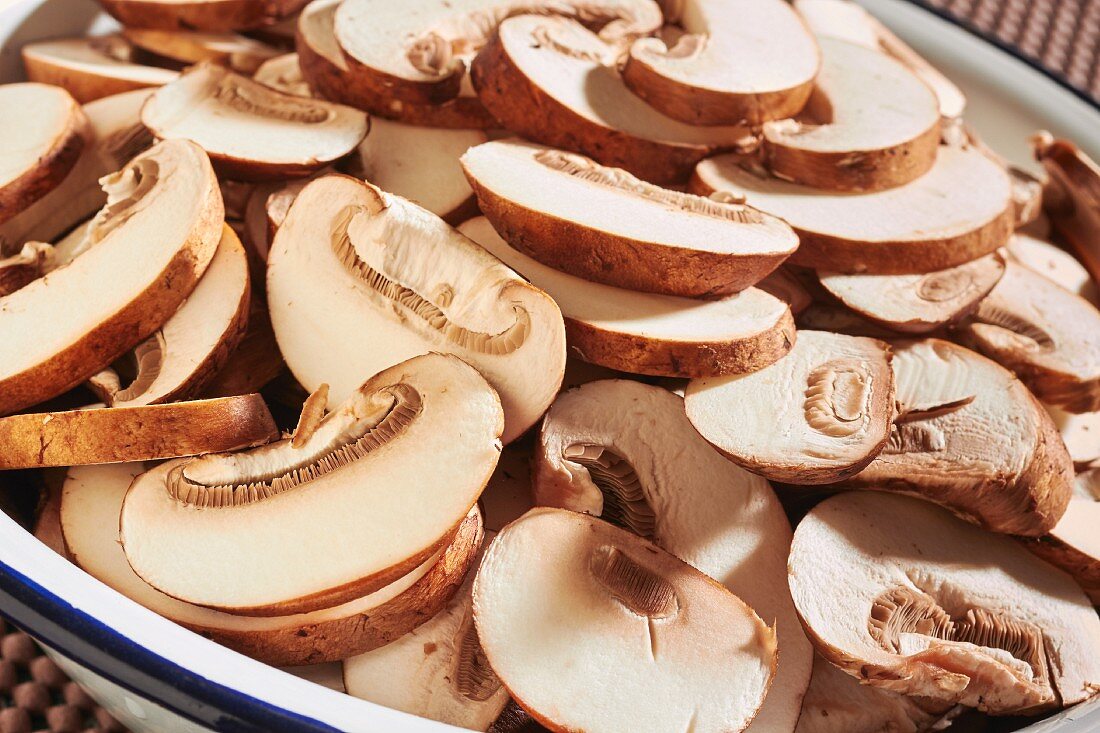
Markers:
{"x": 147, "y": 249}
{"x": 740, "y": 62}
{"x": 1073, "y": 544}
{"x": 681, "y": 651}
{"x": 816, "y": 416}
{"x": 91, "y": 500}
{"x": 1053, "y": 263}
{"x": 193, "y": 345}
{"x": 605, "y": 225}
{"x": 551, "y": 80}
{"x": 957, "y": 212}
{"x": 1070, "y": 196}
{"x": 625, "y": 452}
{"x": 938, "y": 609}
{"x": 284, "y": 74}
{"x": 1049, "y": 336}
{"x": 33, "y": 261}
{"x": 45, "y": 131}
{"x": 359, "y": 280}
{"x": 424, "y": 433}
{"x": 201, "y": 15}
{"x": 91, "y": 68}
{"x": 250, "y": 131}
{"x": 971, "y": 437}
{"x": 917, "y": 303}
{"x": 648, "y": 333}
{"x": 239, "y": 53}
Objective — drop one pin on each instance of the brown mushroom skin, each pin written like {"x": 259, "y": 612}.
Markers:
{"x": 1083, "y": 568}
{"x": 202, "y": 15}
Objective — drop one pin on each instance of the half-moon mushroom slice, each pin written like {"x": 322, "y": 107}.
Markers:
{"x": 359, "y": 280}
{"x": 918, "y": 303}
{"x": 553, "y": 81}
{"x": 905, "y": 597}
{"x": 625, "y": 452}
{"x": 424, "y": 433}
{"x": 250, "y": 131}
{"x": 740, "y": 62}
{"x": 31, "y": 263}
{"x": 91, "y": 501}
{"x": 971, "y": 437}
{"x": 203, "y": 15}
{"x": 193, "y": 345}
{"x": 1053, "y": 263}
{"x": 1080, "y": 432}
{"x": 1069, "y": 198}
{"x": 44, "y": 131}
{"x": 239, "y": 53}
{"x": 283, "y": 73}
{"x": 605, "y": 225}
{"x": 647, "y": 333}
{"x": 1049, "y": 336}
{"x": 568, "y": 607}
{"x": 91, "y": 68}
{"x": 153, "y": 241}
{"x": 957, "y": 212}
{"x": 816, "y": 416}
{"x": 1073, "y": 544}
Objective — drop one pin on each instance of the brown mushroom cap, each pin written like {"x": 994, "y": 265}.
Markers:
{"x": 204, "y": 15}
{"x": 91, "y": 68}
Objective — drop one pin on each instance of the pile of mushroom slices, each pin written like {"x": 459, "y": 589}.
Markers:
{"x": 561, "y": 364}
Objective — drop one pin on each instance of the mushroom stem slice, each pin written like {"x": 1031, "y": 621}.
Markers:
{"x": 91, "y": 68}
{"x": 202, "y": 15}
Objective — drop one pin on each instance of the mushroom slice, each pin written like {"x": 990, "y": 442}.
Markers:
{"x": 917, "y": 303}
{"x": 239, "y": 53}
{"x": 605, "y": 225}
{"x": 153, "y": 241}
{"x": 553, "y": 81}
{"x": 740, "y": 62}
{"x": 1069, "y": 198}
{"x": 203, "y": 15}
{"x": 1049, "y": 336}
{"x": 957, "y": 212}
{"x": 179, "y": 359}
{"x": 1080, "y": 432}
{"x": 1073, "y": 544}
{"x": 647, "y": 333}
{"x": 255, "y": 363}
{"x": 424, "y": 433}
{"x": 284, "y": 74}
{"x": 359, "y": 280}
{"x": 1053, "y": 263}
{"x": 250, "y": 131}
{"x": 91, "y": 501}
{"x": 91, "y": 68}
{"x": 33, "y": 261}
{"x": 907, "y": 598}
{"x": 971, "y": 437}
{"x": 658, "y": 624}
{"x": 625, "y": 452}
{"x": 817, "y": 416}
{"x": 44, "y": 132}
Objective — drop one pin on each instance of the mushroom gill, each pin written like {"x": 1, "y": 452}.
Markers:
{"x": 144, "y": 363}
{"x": 624, "y": 500}
{"x": 1031, "y": 335}
{"x": 474, "y": 678}
{"x": 637, "y": 588}
{"x": 237, "y": 96}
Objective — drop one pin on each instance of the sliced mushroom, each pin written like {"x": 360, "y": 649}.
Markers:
{"x": 250, "y": 131}
{"x": 203, "y": 15}
{"x": 647, "y": 333}
{"x": 918, "y": 303}
{"x": 194, "y": 344}
{"x": 359, "y": 280}
{"x": 44, "y": 132}
{"x": 91, "y": 501}
{"x": 284, "y": 74}
{"x": 153, "y": 241}
{"x": 32, "y": 262}
{"x": 424, "y": 433}
{"x": 817, "y": 416}
{"x": 255, "y": 363}
{"x": 605, "y": 225}
{"x": 553, "y": 81}
{"x": 1053, "y": 263}
{"x": 907, "y": 598}
{"x": 556, "y": 585}
{"x": 239, "y": 53}
{"x": 1070, "y": 196}
{"x": 91, "y": 68}
{"x": 1080, "y": 432}
{"x": 957, "y": 212}
{"x": 970, "y": 436}
{"x": 625, "y": 452}
{"x": 1049, "y": 336}
{"x": 1073, "y": 544}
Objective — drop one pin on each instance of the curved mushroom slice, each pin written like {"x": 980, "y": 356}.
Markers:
{"x": 740, "y": 62}
{"x": 970, "y": 436}
{"x": 425, "y": 433}
{"x": 1069, "y": 198}
{"x": 359, "y": 280}
{"x": 647, "y": 333}
{"x": 1073, "y": 544}
{"x": 817, "y": 416}
{"x": 250, "y": 131}
{"x": 239, "y": 53}
{"x": 195, "y": 343}
{"x": 957, "y": 212}
{"x": 605, "y": 225}
{"x": 283, "y": 73}
{"x": 936, "y": 608}
{"x": 568, "y": 607}
{"x": 32, "y": 262}
{"x": 44, "y": 132}
{"x": 1080, "y": 432}
{"x": 1053, "y": 263}
{"x": 625, "y": 452}
{"x": 255, "y": 363}
{"x": 551, "y": 80}
{"x": 153, "y": 241}
{"x": 918, "y": 303}
{"x": 91, "y": 68}
{"x": 1043, "y": 332}
{"x": 203, "y": 15}
{"x": 91, "y": 501}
